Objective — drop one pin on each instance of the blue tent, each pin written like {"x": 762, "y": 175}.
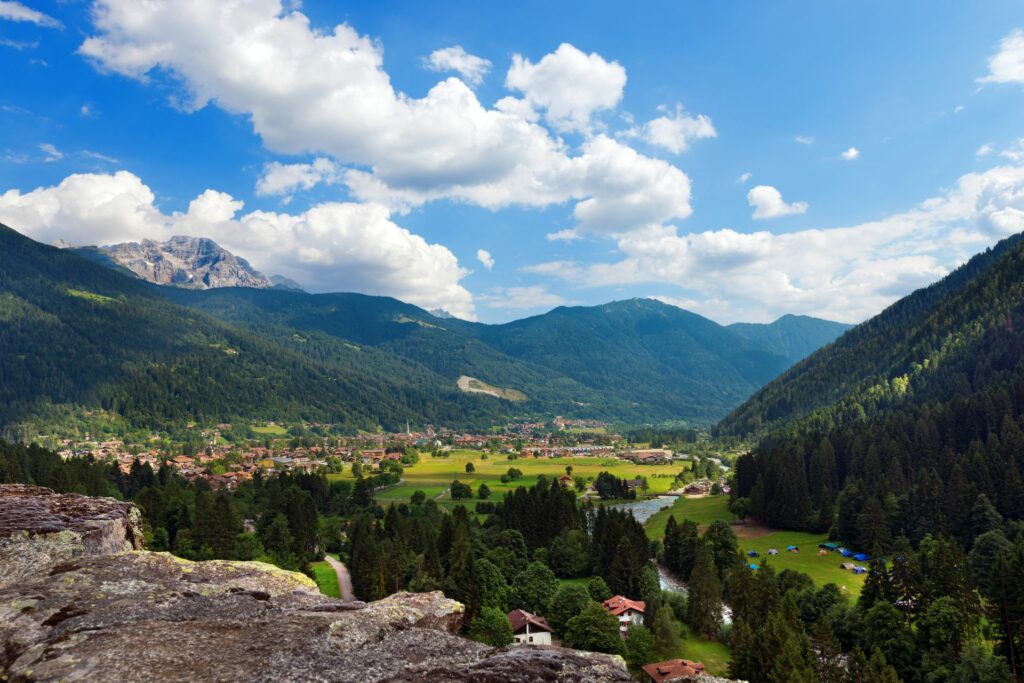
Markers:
{"x": 860, "y": 570}
{"x": 861, "y": 557}
{"x": 845, "y": 553}
{"x": 752, "y": 553}
{"x": 791, "y": 548}
{"x": 753, "y": 567}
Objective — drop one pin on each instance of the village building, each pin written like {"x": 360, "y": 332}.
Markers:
{"x": 671, "y": 670}
{"x": 529, "y": 629}
{"x": 628, "y": 612}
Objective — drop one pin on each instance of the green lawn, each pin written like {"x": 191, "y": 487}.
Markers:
{"x": 703, "y": 511}
{"x": 713, "y": 654}
{"x": 326, "y": 579}
{"x": 821, "y": 568}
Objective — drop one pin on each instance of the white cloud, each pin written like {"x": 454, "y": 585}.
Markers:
{"x": 674, "y": 131}
{"x": 958, "y": 108}
{"x": 1014, "y": 152}
{"x": 804, "y": 139}
{"x": 51, "y": 152}
{"x": 843, "y": 273}
{"x": 744, "y": 178}
{"x": 984, "y": 150}
{"x": 569, "y": 85}
{"x": 470, "y": 67}
{"x": 523, "y": 298}
{"x": 331, "y": 247}
{"x": 311, "y": 91}
{"x": 15, "y": 11}
{"x": 768, "y": 203}
{"x": 284, "y": 179}
{"x": 1007, "y": 65}
{"x": 86, "y": 110}
{"x": 850, "y": 154}
{"x": 484, "y": 257}
{"x": 567, "y": 235}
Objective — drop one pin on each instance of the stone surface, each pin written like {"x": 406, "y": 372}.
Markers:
{"x": 86, "y": 604}
{"x": 191, "y": 262}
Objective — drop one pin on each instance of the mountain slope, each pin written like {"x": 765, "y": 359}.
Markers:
{"x": 894, "y": 356}
{"x": 793, "y": 336}
{"x": 77, "y": 335}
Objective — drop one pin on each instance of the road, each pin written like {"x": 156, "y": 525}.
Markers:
{"x": 344, "y": 580}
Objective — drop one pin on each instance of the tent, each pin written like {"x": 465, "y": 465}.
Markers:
{"x": 792, "y": 549}
{"x": 845, "y": 553}
{"x": 860, "y": 570}
{"x": 753, "y": 567}
{"x": 773, "y": 551}
{"x": 847, "y": 566}
{"x": 861, "y": 557}
{"x": 752, "y": 553}
{"x": 823, "y": 552}
{"x": 829, "y": 545}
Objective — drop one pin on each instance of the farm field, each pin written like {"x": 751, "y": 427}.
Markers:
{"x": 273, "y": 430}
{"x": 434, "y": 475}
{"x": 821, "y": 568}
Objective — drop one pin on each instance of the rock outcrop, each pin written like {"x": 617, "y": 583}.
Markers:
{"x": 81, "y": 601}
{"x": 191, "y": 262}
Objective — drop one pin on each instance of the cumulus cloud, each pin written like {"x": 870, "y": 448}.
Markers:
{"x": 523, "y": 298}
{"x": 284, "y": 179}
{"x": 984, "y": 150}
{"x": 843, "y": 273}
{"x": 768, "y": 203}
{"x": 333, "y": 246}
{"x": 470, "y": 67}
{"x": 15, "y": 11}
{"x": 1007, "y": 65}
{"x": 569, "y": 85}
{"x": 50, "y": 152}
{"x": 311, "y": 91}
{"x": 850, "y": 154}
{"x": 485, "y": 258}
{"x": 674, "y": 131}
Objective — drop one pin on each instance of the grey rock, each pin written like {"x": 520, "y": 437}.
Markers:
{"x": 189, "y": 262}
{"x": 81, "y": 601}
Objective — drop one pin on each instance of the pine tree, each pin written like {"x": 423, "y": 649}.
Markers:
{"x": 704, "y": 604}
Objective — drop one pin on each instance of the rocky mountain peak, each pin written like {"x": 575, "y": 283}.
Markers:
{"x": 190, "y": 262}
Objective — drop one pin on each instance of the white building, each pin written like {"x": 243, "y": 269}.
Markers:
{"x": 529, "y": 629}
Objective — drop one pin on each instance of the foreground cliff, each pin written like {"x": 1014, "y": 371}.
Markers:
{"x": 81, "y": 601}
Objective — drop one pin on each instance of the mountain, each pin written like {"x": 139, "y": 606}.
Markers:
{"x": 83, "y": 332}
{"x": 792, "y": 336}
{"x": 77, "y": 336}
{"x": 902, "y": 354}
{"x": 192, "y": 262}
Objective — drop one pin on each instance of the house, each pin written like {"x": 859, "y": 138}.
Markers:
{"x": 566, "y": 481}
{"x": 628, "y": 612}
{"x": 529, "y": 629}
{"x": 671, "y": 670}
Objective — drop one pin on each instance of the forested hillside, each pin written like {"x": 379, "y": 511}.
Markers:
{"x": 78, "y": 334}
{"x": 793, "y": 336}
{"x": 909, "y": 433}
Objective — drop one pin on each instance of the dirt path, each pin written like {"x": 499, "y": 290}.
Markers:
{"x": 344, "y": 580}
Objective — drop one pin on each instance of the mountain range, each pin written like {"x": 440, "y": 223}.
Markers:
{"x": 82, "y": 331}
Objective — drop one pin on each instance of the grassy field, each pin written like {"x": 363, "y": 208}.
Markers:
{"x": 273, "y": 430}
{"x": 713, "y": 654}
{"x": 821, "y": 568}
{"x": 326, "y": 579}
{"x": 434, "y": 475}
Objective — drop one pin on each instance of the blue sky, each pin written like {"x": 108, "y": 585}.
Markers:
{"x": 595, "y": 151}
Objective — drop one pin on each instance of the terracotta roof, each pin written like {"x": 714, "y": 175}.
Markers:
{"x": 673, "y": 670}
{"x": 619, "y": 604}
{"x": 520, "y": 618}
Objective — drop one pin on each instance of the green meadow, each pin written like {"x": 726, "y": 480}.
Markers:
{"x": 822, "y": 569}
{"x": 433, "y": 476}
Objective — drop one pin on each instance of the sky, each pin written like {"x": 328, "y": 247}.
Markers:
{"x": 741, "y": 160}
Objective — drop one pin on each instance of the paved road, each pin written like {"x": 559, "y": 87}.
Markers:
{"x": 344, "y": 580}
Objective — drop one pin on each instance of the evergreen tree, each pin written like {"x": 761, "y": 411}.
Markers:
{"x": 704, "y": 604}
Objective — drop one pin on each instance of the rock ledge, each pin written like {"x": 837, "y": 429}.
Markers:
{"x": 81, "y": 601}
